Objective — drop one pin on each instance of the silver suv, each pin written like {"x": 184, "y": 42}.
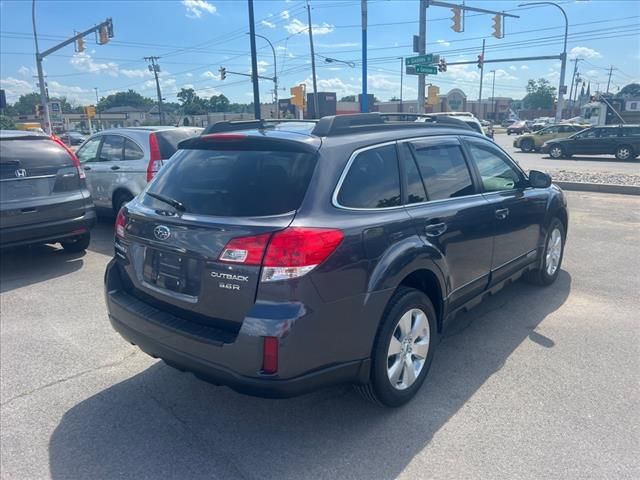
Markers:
{"x": 119, "y": 162}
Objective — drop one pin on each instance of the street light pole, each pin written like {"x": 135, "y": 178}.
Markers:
{"x": 43, "y": 92}
{"x": 563, "y": 66}
{"x": 275, "y": 73}
{"x": 401, "y": 75}
{"x": 493, "y": 95}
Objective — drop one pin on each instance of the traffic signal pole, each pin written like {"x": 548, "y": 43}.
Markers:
{"x": 254, "y": 63}
{"x": 422, "y": 49}
{"x": 481, "y": 77}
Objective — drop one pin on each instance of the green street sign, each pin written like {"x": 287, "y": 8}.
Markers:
{"x": 422, "y": 59}
{"x": 428, "y": 69}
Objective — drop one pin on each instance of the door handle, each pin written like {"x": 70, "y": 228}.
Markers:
{"x": 502, "y": 213}
{"x": 87, "y": 169}
{"x": 115, "y": 167}
{"x": 435, "y": 229}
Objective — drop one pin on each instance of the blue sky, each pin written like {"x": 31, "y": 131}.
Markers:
{"x": 195, "y": 37}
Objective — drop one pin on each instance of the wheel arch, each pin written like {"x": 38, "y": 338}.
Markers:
{"x": 117, "y": 193}
{"x": 428, "y": 282}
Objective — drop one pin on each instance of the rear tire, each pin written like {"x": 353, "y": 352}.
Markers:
{"x": 77, "y": 244}
{"x": 403, "y": 349}
{"x": 527, "y": 146}
{"x": 625, "y": 152}
{"x": 552, "y": 256}
{"x": 121, "y": 199}
{"x": 557, "y": 152}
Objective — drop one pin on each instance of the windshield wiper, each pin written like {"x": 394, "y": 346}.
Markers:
{"x": 169, "y": 201}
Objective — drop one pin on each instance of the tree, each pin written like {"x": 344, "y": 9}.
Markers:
{"x": 191, "y": 103}
{"x": 394, "y": 99}
{"x": 6, "y": 123}
{"x": 540, "y": 94}
{"x": 348, "y": 98}
{"x": 26, "y": 104}
{"x": 631, "y": 90}
{"x": 219, "y": 103}
{"x": 130, "y": 98}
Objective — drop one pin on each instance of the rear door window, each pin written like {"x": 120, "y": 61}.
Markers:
{"x": 111, "y": 150}
{"x": 234, "y": 183}
{"x": 132, "y": 151}
{"x": 443, "y": 169}
{"x": 415, "y": 188}
{"x": 373, "y": 180}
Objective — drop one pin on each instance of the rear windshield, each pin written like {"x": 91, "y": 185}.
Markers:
{"x": 234, "y": 182}
{"x": 168, "y": 139}
{"x": 37, "y": 155}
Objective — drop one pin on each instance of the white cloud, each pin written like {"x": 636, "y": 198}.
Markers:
{"x": 262, "y": 66}
{"x": 24, "y": 71}
{"x": 189, "y": 75}
{"x": 284, "y": 14}
{"x": 209, "y": 74}
{"x": 196, "y": 8}
{"x": 504, "y": 75}
{"x": 135, "y": 73}
{"x": 14, "y": 87}
{"x": 82, "y": 61}
{"x": 268, "y": 24}
{"x": 513, "y": 68}
{"x": 584, "y": 52}
{"x": 462, "y": 73}
{"x": 444, "y": 43}
{"x": 296, "y": 26}
{"x": 524, "y": 67}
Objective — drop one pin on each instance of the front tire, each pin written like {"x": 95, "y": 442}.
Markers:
{"x": 403, "y": 349}
{"x": 77, "y": 244}
{"x": 556, "y": 151}
{"x": 527, "y": 146}
{"x": 624, "y": 152}
{"x": 549, "y": 269}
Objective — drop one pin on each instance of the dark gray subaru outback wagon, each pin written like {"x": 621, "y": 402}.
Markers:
{"x": 278, "y": 258}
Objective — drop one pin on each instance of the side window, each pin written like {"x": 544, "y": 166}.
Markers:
{"x": 373, "y": 180}
{"x": 609, "y": 132}
{"x": 111, "y": 150}
{"x": 566, "y": 129}
{"x": 415, "y": 187}
{"x": 497, "y": 173}
{"x": 552, "y": 130}
{"x": 591, "y": 133}
{"x": 132, "y": 151}
{"x": 89, "y": 150}
{"x": 443, "y": 169}
{"x": 630, "y": 131}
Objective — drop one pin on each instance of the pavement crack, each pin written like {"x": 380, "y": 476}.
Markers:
{"x": 66, "y": 379}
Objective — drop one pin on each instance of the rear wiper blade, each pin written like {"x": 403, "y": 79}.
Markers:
{"x": 169, "y": 201}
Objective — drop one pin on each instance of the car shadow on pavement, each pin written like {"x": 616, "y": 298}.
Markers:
{"x": 27, "y": 265}
{"x": 165, "y": 424}
{"x": 102, "y": 236}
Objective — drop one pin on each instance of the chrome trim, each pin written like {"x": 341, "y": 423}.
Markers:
{"x": 468, "y": 283}
{"x": 441, "y": 200}
{"x": 27, "y": 178}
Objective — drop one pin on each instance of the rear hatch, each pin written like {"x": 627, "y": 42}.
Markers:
{"x": 222, "y": 193}
{"x": 39, "y": 181}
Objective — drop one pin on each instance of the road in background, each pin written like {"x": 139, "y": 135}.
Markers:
{"x": 534, "y": 383}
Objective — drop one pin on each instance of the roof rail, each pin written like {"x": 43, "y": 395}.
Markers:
{"x": 367, "y": 122}
{"x": 235, "y": 125}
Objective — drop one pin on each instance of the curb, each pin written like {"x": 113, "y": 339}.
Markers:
{"x": 600, "y": 187}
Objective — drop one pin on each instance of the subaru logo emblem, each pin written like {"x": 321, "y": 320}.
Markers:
{"x": 21, "y": 172}
{"x": 161, "y": 232}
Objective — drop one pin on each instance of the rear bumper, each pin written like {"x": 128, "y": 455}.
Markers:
{"x": 210, "y": 354}
{"x": 48, "y": 232}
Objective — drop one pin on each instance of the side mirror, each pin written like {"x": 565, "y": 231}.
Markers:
{"x": 539, "y": 179}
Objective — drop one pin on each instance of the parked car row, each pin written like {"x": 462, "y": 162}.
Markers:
{"x": 531, "y": 142}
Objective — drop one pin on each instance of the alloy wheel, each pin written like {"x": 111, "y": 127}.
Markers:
{"x": 556, "y": 152}
{"x": 408, "y": 349}
{"x": 623, "y": 153}
{"x": 554, "y": 252}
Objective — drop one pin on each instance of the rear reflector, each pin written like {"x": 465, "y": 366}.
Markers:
{"x": 121, "y": 223}
{"x": 245, "y": 250}
{"x": 270, "y": 355}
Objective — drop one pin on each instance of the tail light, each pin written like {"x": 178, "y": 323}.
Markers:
{"x": 270, "y": 355}
{"x": 121, "y": 223}
{"x": 155, "y": 158}
{"x": 287, "y": 254}
{"x": 74, "y": 158}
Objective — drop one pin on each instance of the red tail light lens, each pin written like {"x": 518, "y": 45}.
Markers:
{"x": 270, "y": 355}
{"x": 74, "y": 158}
{"x": 155, "y": 157}
{"x": 296, "y": 251}
{"x": 245, "y": 250}
{"x": 121, "y": 223}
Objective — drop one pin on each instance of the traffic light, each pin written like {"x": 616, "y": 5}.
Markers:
{"x": 442, "y": 65}
{"x": 223, "y": 73}
{"x": 457, "y": 20}
{"x": 480, "y": 61}
{"x": 103, "y": 35}
{"x": 497, "y": 26}
{"x": 110, "y": 28}
{"x": 80, "y": 45}
{"x": 297, "y": 98}
{"x": 40, "y": 110}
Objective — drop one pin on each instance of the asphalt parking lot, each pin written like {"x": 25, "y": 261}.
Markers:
{"x": 534, "y": 383}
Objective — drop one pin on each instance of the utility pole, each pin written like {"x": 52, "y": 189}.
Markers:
{"x": 401, "y": 76}
{"x": 493, "y": 97}
{"x": 313, "y": 64}
{"x": 364, "y": 105}
{"x": 573, "y": 78}
{"x": 43, "y": 93}
{"x": 422, "y": 49}
{"x": 99, "y": 115}
{"x": 609, "y": 81}
{"x": 481, "y": 77}
{"x": 254, "y": 63}
{"x": 155, "y": 68}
